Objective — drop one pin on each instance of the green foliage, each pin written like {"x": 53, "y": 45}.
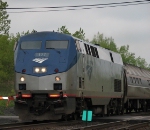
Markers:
{"x": 127, "y": 57}
{"x": 18, "y": 35}
{"x": 140, "y": 62}
{"x": 108, "y": 43}
{"x": 64, "y": 30}
{"x": 79, "y": 34}
{"x": 4, "y": 104}
{"x": 130, "y": 58}
{"x": 6, "y": 65}
{"x": 4, "y": 22}
{"x": 104, "y": 42}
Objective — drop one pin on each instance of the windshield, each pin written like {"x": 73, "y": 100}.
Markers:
{"x": 31, "y": 45}
{"x": 56, "y": 44}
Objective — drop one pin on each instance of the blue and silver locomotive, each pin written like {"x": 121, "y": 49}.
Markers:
{"x": 57, "y": 76}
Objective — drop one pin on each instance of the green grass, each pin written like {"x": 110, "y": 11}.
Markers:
{"x": 5, "y": 92}
{"x": 5, "y": 104}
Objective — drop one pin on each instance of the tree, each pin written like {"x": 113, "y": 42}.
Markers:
{"x": 140, "y": 62}
{"x": 104, "y": 42}
{"x": 127, "y": 57}
{"x": 79, "y": 34}
{"x": 6, "y": 65}
{"x": 18, "y": 35}
{"x": 7, "y": 62}
{"x": 108, "y": 43}
{"x": 64, "y": 30}
{"x": 4, "y": 22}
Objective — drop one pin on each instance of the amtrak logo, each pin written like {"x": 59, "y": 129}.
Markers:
{"x": 40, "y": 60}
{"x": 89, "y": 68}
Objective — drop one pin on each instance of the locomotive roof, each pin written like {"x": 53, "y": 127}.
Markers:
{"x": 103, "y": 53}
{"x": 134, "y": 70}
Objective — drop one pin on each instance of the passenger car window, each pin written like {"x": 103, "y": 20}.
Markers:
{"x": 131, "y": 80}
{"x": 140, "y": 81}
{"x": 137, "y": 80}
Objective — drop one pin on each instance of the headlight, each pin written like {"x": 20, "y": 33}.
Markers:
{"x": 43, "y": 69}
{"x": 22, "y": 79}
{"x": 57, "y": 78}
{"x": 37, "y": 70}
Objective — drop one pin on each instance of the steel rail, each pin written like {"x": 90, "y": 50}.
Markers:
{"x": 103, "y": 126}
{"x": 25, "y": 125}
{"x": 135, "y": 126}
{"x": 34, "y": 125}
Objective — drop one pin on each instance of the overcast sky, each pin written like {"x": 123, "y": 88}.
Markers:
{"x": 127, "y": 25}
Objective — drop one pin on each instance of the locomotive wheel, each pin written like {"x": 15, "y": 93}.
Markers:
{"x": 76, "y": 116}
{"x": 127, "y": 111}
{"x": 102, "y": 115}
{"x": 65, "y": 117}
{"x": 122, "y": 111}
{"x": 118, "y": 111}
{"x": 144, "y": 109}
{"x": 108, "y": 111}
{"x": 136, "y": 110}
{"x": 130, "y": 109}
{"x": 111, "y": 111}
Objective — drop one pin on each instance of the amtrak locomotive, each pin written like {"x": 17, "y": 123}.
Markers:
{"x": 57, "y": 76}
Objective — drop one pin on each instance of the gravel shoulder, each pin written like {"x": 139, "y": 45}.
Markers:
{"x": 8, "y": 115}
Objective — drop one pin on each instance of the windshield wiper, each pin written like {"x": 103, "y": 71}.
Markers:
{"x": 54, "y": 49}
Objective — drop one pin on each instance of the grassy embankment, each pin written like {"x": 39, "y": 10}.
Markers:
{"x": 6, "y": 91}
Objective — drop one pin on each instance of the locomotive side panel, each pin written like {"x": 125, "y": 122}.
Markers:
{"x": 99, "y": 77}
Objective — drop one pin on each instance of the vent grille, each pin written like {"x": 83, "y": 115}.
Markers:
{"x": 117, "y": 85}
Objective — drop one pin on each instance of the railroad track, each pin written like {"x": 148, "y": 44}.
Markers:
{"x": 40, "y": 125}
{"x": 78, "y": 125}
{"x": 139, "y": 126}
{"x": 119, "y": 125}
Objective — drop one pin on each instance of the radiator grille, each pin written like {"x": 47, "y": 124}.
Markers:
{"x": 117, "y": 85}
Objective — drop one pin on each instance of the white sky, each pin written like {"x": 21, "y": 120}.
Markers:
{"x": 127, "y": 25}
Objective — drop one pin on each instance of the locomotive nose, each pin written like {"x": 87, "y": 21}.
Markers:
{"x": 55, "y": 82}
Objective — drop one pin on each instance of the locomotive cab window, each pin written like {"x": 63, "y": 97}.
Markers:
{"x": 15, "y": 45}
{"x": 31, "y": 45}
{"x": 56, "y": 44}
{"x": 78, "y": 46}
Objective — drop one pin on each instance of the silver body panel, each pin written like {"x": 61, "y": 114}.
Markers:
{"x": 138, "y": 86}
{"x": 99, "y": 78}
